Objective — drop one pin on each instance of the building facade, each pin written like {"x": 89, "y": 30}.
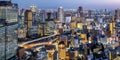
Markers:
{"x": 8, "y": 28}
{"x": 61, "y": 14}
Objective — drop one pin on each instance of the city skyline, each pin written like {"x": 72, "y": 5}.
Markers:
{"x": 69, "y": 4}
{"x": 59, "y": 30}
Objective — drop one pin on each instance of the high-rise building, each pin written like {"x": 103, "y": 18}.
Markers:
{"x": 41, "y": 30}
{"x": 8, "y": 28}
{"x": 112, "y": 26}
{"x": 28, "y": 20}
{"x": 34, "y": 11}
{"x": 117, "y": 13}
{"x": 80, "y": 11}
{"x": 55, "y": 14}
{"x": 61, "y": 14}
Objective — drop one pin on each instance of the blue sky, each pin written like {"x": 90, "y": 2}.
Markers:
{"x": 70, "y": 4}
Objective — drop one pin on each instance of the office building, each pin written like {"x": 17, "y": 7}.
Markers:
{"x": 117, "y": 14}
{"x": 49, "y": 18}
{"x": 112, "y": 26}
{"x": 8, "y": 28}
{"x": 28, "y": 20}
{"x": 34, "y": 11}
{"x": 61, "y": 14}
{"x": 80, "y": 12}
{"x": 55, "y": 14}
{"x": 21, "y": 18}
{"x": 42, "y": 21}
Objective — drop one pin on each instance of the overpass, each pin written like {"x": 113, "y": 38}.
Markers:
{"x": 37, "y": 42}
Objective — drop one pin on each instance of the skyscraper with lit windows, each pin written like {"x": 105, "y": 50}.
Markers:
{"x": 61, "y": 14}
{"x": 8, "y": 28}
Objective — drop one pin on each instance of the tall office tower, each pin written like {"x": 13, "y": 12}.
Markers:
{"x": 8, "y": 28}
{"x": 41, "y": 30}
{"x": 21, "y": 18}
{"x": 80, "y": 12}
{"x": 61, "y": 14}
{"x": 117, "y": 13}
{"x": 55, "y": 14}
{"x": 89, "y": 13}
{"x": 112, "y": 26}
{"x": 33, "y": 9}
{"x": 28, "y": 20}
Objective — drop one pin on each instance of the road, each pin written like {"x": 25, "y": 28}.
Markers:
{"x": 39, "y": 39}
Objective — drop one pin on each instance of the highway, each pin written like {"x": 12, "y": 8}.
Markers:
{"x": 39, "y": 39}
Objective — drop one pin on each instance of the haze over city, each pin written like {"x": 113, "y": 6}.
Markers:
{"x": 70, "y": 4}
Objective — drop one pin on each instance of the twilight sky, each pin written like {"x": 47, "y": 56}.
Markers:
{"x": 70, "y": 4}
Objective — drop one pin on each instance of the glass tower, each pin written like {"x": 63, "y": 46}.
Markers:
{"x": 8, "y": 28}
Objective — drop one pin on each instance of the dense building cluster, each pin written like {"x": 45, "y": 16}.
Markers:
{"x": 61, "y": 34}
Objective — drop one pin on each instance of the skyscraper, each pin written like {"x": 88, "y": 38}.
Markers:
{"x": 61, "y": 14}
{"x": 33, "y": 9}
{"x": 117, "y": 13}
{"x": 8, "y": 27}
{"x": 80, "y": 12}
{"x": 42, "y": 23}
{"x": 28, "y": 20}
